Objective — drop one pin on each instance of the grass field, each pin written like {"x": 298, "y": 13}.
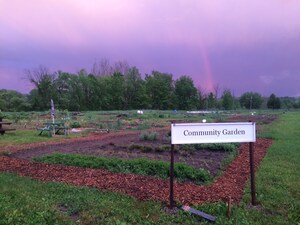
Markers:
{"x": 277, "y": 180}
{"x": 25, "y": 201}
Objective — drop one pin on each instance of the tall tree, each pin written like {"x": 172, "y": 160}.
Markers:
{"x": 160, "y": 88}
{"x": 13, "y": 101}
{"x": 273, "y": 102}
{"x": 121, "y": 67}
{"x": 64, "y": 89}
{"x": 115, "y": 90}
{"x": 202, "y": 103}
{"x": 227, "y": 100}
{"x": 134, "y": 91}
{"x": 251, "y": 100}
{"x": 45, "y": 85}
{"x": 185, "y": 94}
{"x": 102, "y": 68}
{"x": 211, "y": 101}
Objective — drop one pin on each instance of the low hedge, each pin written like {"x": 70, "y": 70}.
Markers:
{"x": 141, "y": 166}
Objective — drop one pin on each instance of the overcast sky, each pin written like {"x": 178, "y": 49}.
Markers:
{"x": 239, "y": 45}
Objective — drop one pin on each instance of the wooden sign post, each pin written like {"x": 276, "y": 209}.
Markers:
{"x": 197, "y": 133}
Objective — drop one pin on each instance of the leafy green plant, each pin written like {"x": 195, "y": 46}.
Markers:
{"x": 75, "y": 125}
{"x": 148, "y": 136}
{"x": 140, "y": 166}
{"x": 217, "y": 146}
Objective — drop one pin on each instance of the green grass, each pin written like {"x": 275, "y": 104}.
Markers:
{"x": 142, "y": 166}
{"x": 30, "y": 136}
{"x": 24, "y": 201}
{"x": 279, "y": 175}
{"x": 21, "y": 137}
{"x": 277, "y": 181}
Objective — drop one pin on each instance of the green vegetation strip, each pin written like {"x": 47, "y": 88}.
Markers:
{"x": 229, "y": 147}
{"x": 24, "y": 201}
{"x": 140, "y": 166}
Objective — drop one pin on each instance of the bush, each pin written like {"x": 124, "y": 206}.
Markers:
{"x": 140, "y": 166}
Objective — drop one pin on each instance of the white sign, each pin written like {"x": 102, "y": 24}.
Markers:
{"x": 193, "y": 133}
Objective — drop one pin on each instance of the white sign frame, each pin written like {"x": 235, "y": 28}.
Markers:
{"x": 197, "y": 133}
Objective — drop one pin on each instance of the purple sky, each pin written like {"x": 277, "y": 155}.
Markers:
{"x": 234, "y": 44}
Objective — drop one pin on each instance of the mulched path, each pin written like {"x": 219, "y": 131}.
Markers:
{"x": 230, "y": 185}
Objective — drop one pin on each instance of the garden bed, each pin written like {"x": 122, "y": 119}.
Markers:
{"x": 230, "y": 185}
{"x": 128, "y": 145}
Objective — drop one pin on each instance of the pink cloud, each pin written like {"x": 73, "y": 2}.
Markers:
{"x": 174, "y": 35}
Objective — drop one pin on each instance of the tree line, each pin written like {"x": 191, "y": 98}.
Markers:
{"x": 122, "y": 88}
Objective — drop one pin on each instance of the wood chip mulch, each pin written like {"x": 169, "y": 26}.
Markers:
{"x": 230, "y": 184}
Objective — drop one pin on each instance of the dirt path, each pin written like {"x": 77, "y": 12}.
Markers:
{"x": 230, "y": 184}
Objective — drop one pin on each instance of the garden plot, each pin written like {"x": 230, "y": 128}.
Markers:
{"x": 132, "y": 145}
{"x": 152, "y": 144}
